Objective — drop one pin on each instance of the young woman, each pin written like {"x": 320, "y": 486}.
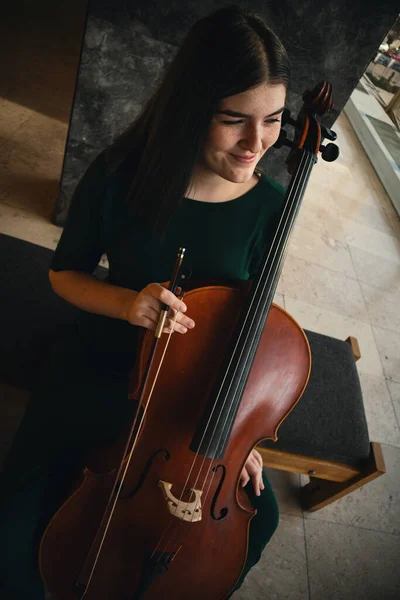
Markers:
{"x": 184, "y": 174}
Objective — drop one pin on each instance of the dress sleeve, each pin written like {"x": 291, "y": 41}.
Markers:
{"x": 81, "y": 244}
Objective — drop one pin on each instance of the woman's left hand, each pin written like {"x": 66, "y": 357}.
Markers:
{"x": 253, "y": 470}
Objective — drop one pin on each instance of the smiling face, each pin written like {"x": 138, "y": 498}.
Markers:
{"x": 233, "y": 137}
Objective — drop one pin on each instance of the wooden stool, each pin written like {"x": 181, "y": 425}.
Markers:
{"x": 326, "y": 435}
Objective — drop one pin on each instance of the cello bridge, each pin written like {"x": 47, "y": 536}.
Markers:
{"x": 186, "y": 511}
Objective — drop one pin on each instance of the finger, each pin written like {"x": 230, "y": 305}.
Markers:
{"x": 149, "y": 323}
{"x": 253, "y": 463}
{"x": 255, "y": 470}
{"x": 167, "y": 297}
{"x": 153, "y": 313}
{"x": 178, "y": 289}
{"x": 257, "y": 456}
{"x": 180, "y": 318}
{"x": 244, "y": 477}
{"x": 171, "y": 325}
{"x": 256, "y": 483}
{"x": 185, "y": 322}
{"x": 260, "y": 462}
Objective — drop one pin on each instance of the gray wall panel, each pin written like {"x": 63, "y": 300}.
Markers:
{"x": 127, "y": 45}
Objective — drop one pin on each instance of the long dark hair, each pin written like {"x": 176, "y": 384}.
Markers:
{"x": 223, "y": 54}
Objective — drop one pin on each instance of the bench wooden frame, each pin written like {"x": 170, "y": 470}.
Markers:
{"x": 329, "y": 480}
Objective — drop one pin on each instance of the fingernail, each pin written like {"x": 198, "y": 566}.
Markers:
{"x": 258, "y": 492}
{"x": 183, "y": 307}
{"x": 190, "y": 324}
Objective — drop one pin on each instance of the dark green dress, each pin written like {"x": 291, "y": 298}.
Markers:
{"x": 81, "y": 399}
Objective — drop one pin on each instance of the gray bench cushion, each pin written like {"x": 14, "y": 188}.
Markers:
{"x": 328, "y": 422}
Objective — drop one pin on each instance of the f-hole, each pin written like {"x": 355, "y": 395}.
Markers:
{"x": 143, "y": 474}
{"x": 224, "y": 511}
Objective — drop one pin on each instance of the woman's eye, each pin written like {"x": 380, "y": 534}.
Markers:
{"x": 238, "y": 122}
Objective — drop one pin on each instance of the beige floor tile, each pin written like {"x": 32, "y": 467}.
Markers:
{"x": 40, "y": 137}
{"x": 357, "y": 210}
{"x": 395, "y": 225}
{"x": 387, "y": 206}
{"x": 383, "y": 306}
{"x": 380, "y": 193}
{"x": 286, "y": 489}
{"x": 394, "y": 390}
{"x": 321, "y": 250}
{"x": 281, "y": 573}
{"x": 351, "y": 563}
{"x": 322, "y": 287}
{"x": 360, "y": 188}
{"x": 12, "y": 116}
{"x": 375, "y": 270}
{"x": 381, "y": 417}
{"x": 279, "y": 300}
{"x": 319, "y": 217}
{"x": 388, "y": 343}
{"x": 279, "y": 288}
{"x": 27, "y": 226}
{"x": 338, "y": 326}
{"x": 371, "y": 240}
{"x": 330, "y": 174}
{"x": 30, "y": 165}
{"x": 343, "y": 122}
{"x": 31, "y": 191}
{"x": 374, "y": 506}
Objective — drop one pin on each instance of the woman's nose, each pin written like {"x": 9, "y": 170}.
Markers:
{"x": 253, "y": 140}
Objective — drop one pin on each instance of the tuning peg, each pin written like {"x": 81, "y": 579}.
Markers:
{"x": 330, "y": 152}
{"x": 283, "y": 141}
{"x": 328, "y": 133}
{"x": 286, "y": 118}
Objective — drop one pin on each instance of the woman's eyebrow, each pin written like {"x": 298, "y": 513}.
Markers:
{"x": 234, "y": 113}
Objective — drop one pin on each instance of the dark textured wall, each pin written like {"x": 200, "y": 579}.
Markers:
{"x": 128, "y": 44}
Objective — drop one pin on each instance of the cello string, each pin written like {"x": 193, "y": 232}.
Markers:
{"x": 246, "y": 327}
{"x": 253, "y": 341}
{"x": 128, "y": 460}
{"x": 232, "y": 407}
{"x": 299, "y": 175}
{"x": 304, "y": 168}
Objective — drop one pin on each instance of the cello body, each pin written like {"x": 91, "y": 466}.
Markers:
{"x": 180, "y": 525}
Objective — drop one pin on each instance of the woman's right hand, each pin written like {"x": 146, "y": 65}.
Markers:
{"x": 146, "y": 308}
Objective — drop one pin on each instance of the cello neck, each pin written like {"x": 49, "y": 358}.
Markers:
{"x": 211, "y": 439}
{"x": 213, "y": 432}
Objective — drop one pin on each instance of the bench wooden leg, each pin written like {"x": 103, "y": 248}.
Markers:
{"x": 321, "y": 492}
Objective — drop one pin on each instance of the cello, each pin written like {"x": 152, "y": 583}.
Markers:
{"x": 160, "y": 513}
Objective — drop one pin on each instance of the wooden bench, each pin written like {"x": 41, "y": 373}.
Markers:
{"x": 325, "y": 437}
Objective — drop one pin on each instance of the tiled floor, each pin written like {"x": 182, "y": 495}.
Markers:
{"x": 341, "y": 277}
